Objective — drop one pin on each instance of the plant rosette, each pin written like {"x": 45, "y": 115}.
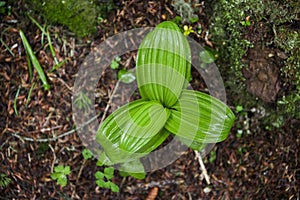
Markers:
{"x": 167, "y": 106}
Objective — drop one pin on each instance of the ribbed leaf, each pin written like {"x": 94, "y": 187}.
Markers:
{"x": 163, "y": 64}
{"x": 132, "y": 131}
{"x": 199, "y": 117}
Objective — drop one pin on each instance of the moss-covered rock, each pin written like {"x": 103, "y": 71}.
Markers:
{"x": 272, "y": 26}
{"x": 79, "y": 16}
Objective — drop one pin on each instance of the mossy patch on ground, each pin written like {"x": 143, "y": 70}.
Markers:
{"x": 79, "y": 16}
{"x": 236, "y": 27}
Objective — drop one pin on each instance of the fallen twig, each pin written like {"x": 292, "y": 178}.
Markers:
{"x": 202, "y": 166}
{"x": 109, "y": 102}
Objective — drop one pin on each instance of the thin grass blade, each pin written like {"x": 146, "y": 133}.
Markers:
{"x": 34, "y": 61}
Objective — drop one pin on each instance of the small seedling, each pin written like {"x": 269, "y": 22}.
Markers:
{"x": 246, "y": 22}
{"x": 4, "y": 180}
{"x": 104, "y": 179}
{"x": 60, "y": 175}
{"x": 212, "y": 156}
{"x": 82, "y": 101}
{"x": 87, "y": 154}
{"x": 126, "y": 76}
{"x": 115, "y": 63}
{"x": 238, "y": 108}
{"x": 187, "y": 30}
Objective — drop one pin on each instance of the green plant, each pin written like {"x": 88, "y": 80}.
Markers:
{"x": 246, "y": 22}
{"x": 126, "y": 76}
{"x": 4, "y": 180}
{"x": 212, "y": 156}
{"x": 115, "y": 63}
{"x": 79, "y": 16}
{"x": 187, "y": 30}
{"x": 228, "y": 32}
{"x": 45, "y": 31}
{"x": 87, "y": 154}
{"x": 2, "y": 7}
{"x": 166, "y": 108}
{"x": 207, "y": 56}
{"x": 103, "y": 179}
{"x": 82, "y": 101}
{"x": 60, "y": 175}
{"x": 34, "y": 61}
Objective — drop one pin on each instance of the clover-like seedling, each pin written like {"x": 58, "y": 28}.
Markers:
{"x": 104, "y": 179}
{"x": 60, "y": 175}
{"x": 115, "y": 63}
{"x": 87, "y": 154}
{"x": 166, "y": 107}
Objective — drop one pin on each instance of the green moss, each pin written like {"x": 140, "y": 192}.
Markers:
{"x": 79, "y": 16}
{"x": 289, "y": 41}
{"x": 228, "y": 34}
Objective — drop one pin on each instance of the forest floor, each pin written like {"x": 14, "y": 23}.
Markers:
{"x": 258, "y": 165}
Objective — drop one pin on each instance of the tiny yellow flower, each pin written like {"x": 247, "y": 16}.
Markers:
{"x": 187, "y": 30}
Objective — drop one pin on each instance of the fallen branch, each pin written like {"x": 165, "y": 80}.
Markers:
{"x": 202, "y": 167}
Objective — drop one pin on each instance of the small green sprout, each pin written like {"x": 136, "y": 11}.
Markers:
{"x": 246, "y": 22}
{"x": 239, "y": 108}
{"x": 4, "y": 180}
{"x": 103, "y": 179}
{"x": 212, "y": 156}
{"x": 187, "y": 30}
{"x": 115, "y": 63}
{"x": 87, "y": 154}
{"x": 60, "y": 175}
{"x": 82, "y": 101}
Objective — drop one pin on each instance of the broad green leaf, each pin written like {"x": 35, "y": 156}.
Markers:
{"x": 126, "y": 76}
{"x": 201, "y": 118}
{"x": 192, "y": 143}
{"x": 206, "y": 57}
{"x": 134, "y": 168}
{"x": 163, "y": 64}
{"x": 132, "y": 131}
